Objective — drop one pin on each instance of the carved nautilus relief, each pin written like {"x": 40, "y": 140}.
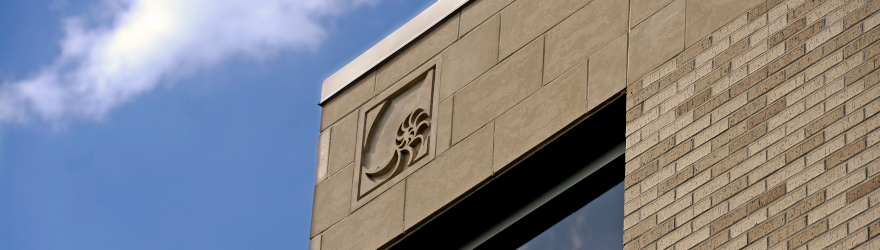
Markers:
{"x": 396, "y": 135}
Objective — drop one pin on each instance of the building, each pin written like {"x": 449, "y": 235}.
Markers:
{"x": 482, "y": 124}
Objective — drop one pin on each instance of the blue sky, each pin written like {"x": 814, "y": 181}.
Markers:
{"x": 193, "y": 128}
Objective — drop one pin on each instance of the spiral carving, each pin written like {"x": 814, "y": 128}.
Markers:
{"x": 412, "y": 143}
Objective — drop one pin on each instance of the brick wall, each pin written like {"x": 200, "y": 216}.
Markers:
{"x": 760, "y": 135}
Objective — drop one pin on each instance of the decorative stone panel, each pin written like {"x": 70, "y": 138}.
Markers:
{"x": 397, "y": 133}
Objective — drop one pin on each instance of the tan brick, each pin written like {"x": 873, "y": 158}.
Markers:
{"x": 640, "y": 97}
{"x": 766, "y": 85}
{"x": 851, "y": 241}
{"x": 691, "y": 157}
{"x": 790, "y": 85}
{"x": 655, "y": 205}
{"x": 765, "y": 169}
{"x": 728, "y": 191}
{"x": 730, "y": 53}
{"x": 640, "y": 228}
{"x": 767, "y": 198}
{"x": 692, "y": 103}
{"x": 874, "y": 229}
{"x": 871, "y": 51}
{"x": 448, "y": 177}
{"x": 711, "y": 104}
{"x": 805, "y": 34}
{"x": 676, "y": 235}
{"x": 808, "y": 234}
{"x": 847, "y": 65}
{"x": 806, "y": 7}
{"x": 786, "y": 59}
{"x": 659, "y": 231}
{"x": 809, "y": 173}
{"x": 469, "y": 57}
{"x": 786, "y": 201}
{"x": 729, "y": 219}
{"x": 710, "y": 215}
{"x": 862, "y": 42}
{"x": 677, "y": 152}
{"x": 767, "y": 113}
{"x": 694, "y": 50}
{"x": 865, "y": 219}
{"x": 804, "y": 147}
{"x": 672, "y": 209}
{"x": 752, "y": 27}
{"x": 749, "y": 81}
{"x": 497, "y": 90}
{"x": 826, "y": 209}
{"x": 863, "y": 189}
{"x": 824, "y": 240}
{"x": 788, "y": 31}
{"x": 862, "y": 70}
{"x": 844, "y": 154}
{"x": 675, "y": 180}
{"x": 764, "y": 58}
{"x": 846, "y": 183}
{"x": 805, "y": 206}
{"x": 732, "y": 132}
{"x": 843, "y": 124}
{"x": 823, "y": 65}
{"x": 748, "y": 223}
{"x": 824, "y": 121}
{"x": 732, "y": 161}
{"x": 864, "y": 98}
{"x": 823, "y": 10}
{"x": 714, "y": 242}
{"x": 640, "y": 174}
{"x": 574, "y": 39}
{"x": 522, "y": 21}
{"x": 790, "y": 229}
{"x": 674, "y": 76}
{"x": 847, "y": 213}
{"x": 833, "y": 29}
{"x": 757, "y": 132}
{"x": 691, "y": 129}
{"x": 826, "y": 179}
{"x": 861, "y": 14}
{"x": 842, "y": 39}
{"x": 748, "y": 194}
{"x": 714, "y": 157}
{"x": 804, "y": 62}
{"x": 656, "y": 40}
{"x": 766, "y": 227}
{"x": 711, "y": 186}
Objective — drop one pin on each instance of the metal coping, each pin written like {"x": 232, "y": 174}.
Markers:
{"x": 388, "y": 46}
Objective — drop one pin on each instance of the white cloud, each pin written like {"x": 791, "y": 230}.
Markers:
{"x": 105, "y": 62}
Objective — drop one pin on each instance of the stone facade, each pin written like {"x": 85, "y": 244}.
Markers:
{"x": 755, "y": 128}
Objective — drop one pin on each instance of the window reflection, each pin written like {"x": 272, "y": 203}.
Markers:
{"x": 598, "y": 225}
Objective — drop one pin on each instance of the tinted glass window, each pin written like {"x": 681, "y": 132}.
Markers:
{"x": 598, "y": 225}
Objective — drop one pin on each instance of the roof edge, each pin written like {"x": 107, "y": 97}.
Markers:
{"x": 388, "y": 46}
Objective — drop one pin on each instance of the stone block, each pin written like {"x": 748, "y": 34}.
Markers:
{"x": 524, "y": 20}
{"x": 582, "y": 34}
{"x": 656, "y": 40}
{"x": 497, "y": 90}
{"x": 540, "y": 116}
{"x": 331, "y": 201}
{"x": 448, "y": 177}
{"x": 706, "y": 16}
{"x": 375, "y": 224}
{"x": 342, "y": 143}
{"x": 347, "y": 100}
{"x": 642, "y": 9}
{"x": 466, "y": 59}
{"x": 476, "y": 12}
{"x": 417, "y": 52}
{"x": 607, "y": 72}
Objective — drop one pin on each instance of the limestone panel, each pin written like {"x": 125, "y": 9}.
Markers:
{"x": 656, "y": 40}
{"x": 476, "y": 12}
{"x": 475, "y": 53}
{"x": 524, "y": 20}
{"x": 347, "y": 100}
{"x": 448, "y": 177}
{"x": 607, "y": 72}
{"x": 540, "y": 116}
{"x": 497, "y": 90}
{"x": 370, "y": 227}
{"x": 331, "y": 201}
{"x": 582, "y": 34}
{"x": 342, "y": 144}
{"x": 444, "y": 128}
{"x": 417, "y": 52}
{"x": 642, "y": 9}
{"x": 706, "y": 16}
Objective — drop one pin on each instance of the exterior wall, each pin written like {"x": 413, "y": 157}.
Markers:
{"x": 762, "y": 133}
{"x": 502, "y": 77}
